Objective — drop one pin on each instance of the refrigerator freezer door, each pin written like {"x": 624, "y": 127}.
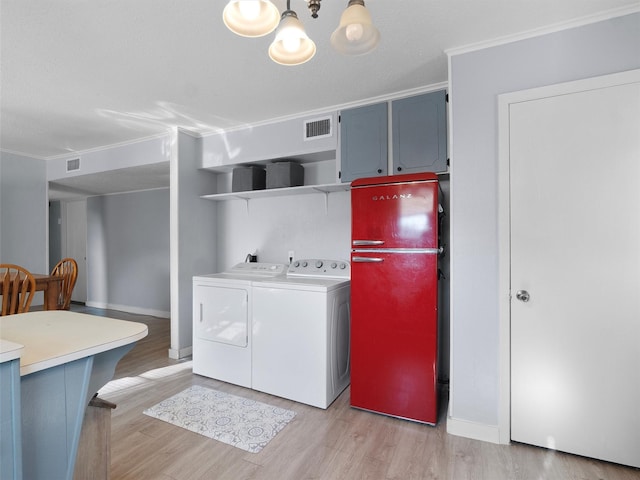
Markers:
{"x": 394, "y": 332}
{"x": 395, "y": 215}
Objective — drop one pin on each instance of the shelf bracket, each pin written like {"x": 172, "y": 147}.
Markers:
{"x": 326, "y": 198}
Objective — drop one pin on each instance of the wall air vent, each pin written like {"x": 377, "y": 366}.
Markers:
{"x": 73, "y": 165}
{"x": 317, "y": 128}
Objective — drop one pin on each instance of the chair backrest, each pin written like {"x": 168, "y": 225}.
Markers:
{"x": 68, "y": 269}
{"x": 18, "y": 287}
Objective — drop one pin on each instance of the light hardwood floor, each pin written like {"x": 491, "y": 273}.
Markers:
{"x": 337, "y": 443}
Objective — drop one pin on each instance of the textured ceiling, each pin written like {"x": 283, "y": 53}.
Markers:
{"x": 81, "y": 75}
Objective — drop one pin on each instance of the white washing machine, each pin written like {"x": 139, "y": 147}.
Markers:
{"x": 222, "y": 313}
{"x": 301, "y": 332}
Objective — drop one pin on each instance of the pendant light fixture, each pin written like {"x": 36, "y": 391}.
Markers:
{"x": 291, "y": 46}
{"x": 356, "y": 34}
{"x": 251, "y": 18}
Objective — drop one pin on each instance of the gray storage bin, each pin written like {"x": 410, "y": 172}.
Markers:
{"x": 251, "y": 177}
{"x": 284, "y": 174}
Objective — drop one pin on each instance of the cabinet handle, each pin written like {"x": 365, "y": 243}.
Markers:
{"x": 379, "y": 170}
{"x": 200, "y": 312}
{"x": 399, "y": 169}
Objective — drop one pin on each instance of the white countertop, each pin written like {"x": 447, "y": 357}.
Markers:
{"x": 9, "y": 351}
{"x": 54, "y": 337}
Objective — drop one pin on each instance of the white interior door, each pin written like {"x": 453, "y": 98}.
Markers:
{"x": 76, "y": 244}
{"x": 575, "y": 249}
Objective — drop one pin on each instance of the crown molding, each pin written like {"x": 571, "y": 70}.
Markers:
{"x": 553, "y": 28}
{"x": 77, "y": 153}
{"x": 330, "y": 110}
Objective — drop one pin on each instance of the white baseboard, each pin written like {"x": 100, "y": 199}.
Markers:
{"x": 130, "y": 309}
{"x": 180, "y": 353}
{"x": 477, "y": 431}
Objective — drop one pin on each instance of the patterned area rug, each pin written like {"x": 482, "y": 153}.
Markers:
{"x": 234, "y": 420}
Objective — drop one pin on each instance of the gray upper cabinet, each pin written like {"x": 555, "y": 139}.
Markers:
{"x": 420, "y": 133}
{"x": 419, "y": 137}
{"x": 363, "y": 142}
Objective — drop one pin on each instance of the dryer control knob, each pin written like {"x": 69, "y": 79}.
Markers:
{"x": 319, "y": 264}
{"x": 334, "y": 265}
{"x": 343, "y": 266}
{"x": 296, "y": 263}
{"x": 304, "y": 264}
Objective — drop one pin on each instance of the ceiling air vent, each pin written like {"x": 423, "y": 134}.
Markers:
{"x": 73, "y": 165}
{"x": 317, "y": 128}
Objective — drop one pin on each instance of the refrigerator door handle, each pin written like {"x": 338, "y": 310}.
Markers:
{"x": 367, "y": 259}
{"x": 412, "y": 251}
{"x": 364, "y": 243}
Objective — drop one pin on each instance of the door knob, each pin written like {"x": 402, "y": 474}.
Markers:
{"x": 522, "y": 295}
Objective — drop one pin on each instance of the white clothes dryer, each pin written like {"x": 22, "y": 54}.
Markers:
{"x": 222, "y": 314}
{"x": 301, "y": 332}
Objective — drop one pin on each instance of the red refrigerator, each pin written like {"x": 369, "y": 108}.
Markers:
{"x": 394, "y": 292}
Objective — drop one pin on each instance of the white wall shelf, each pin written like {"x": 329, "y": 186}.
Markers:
{"x": 279, "y": 192}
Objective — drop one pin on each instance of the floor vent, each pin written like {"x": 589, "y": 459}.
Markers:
{"x": 73, "y": 165}
{"x": 317, "y": 128}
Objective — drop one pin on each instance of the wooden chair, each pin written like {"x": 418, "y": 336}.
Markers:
{"x": 18, "y": 287}
{"x": 68, "y": 269}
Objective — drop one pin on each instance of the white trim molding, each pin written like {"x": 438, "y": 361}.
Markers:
{"x": 556, "y": 27}
{"x": 476, "y": 431}
{"x": 125, "y": 143}
{"x": 180, "y": 353}
{"x": 328, "y": 110}
{"x": 129, "y": 309}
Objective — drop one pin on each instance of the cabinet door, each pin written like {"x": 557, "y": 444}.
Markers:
{"x": 363, "y": 142}
{"x": 420, "y": 133}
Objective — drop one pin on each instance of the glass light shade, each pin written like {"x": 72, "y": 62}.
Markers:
{"x": 291, "y": 46}
{"x": 251, "y": 18}
{"x": 355, "y": 35}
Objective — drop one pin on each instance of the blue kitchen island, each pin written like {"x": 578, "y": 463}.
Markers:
{"x": 66, "y": 358}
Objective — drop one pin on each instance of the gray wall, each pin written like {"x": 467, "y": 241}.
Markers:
{"x": 23, "y": 213}
{"x": 274, "y": 225}
{"x": 477, "y": 78}
{"x": 193, "y": 242}
{"x": 128, "y": 252}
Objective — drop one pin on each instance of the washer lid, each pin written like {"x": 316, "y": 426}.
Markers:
{"x": 245, "y": 273}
